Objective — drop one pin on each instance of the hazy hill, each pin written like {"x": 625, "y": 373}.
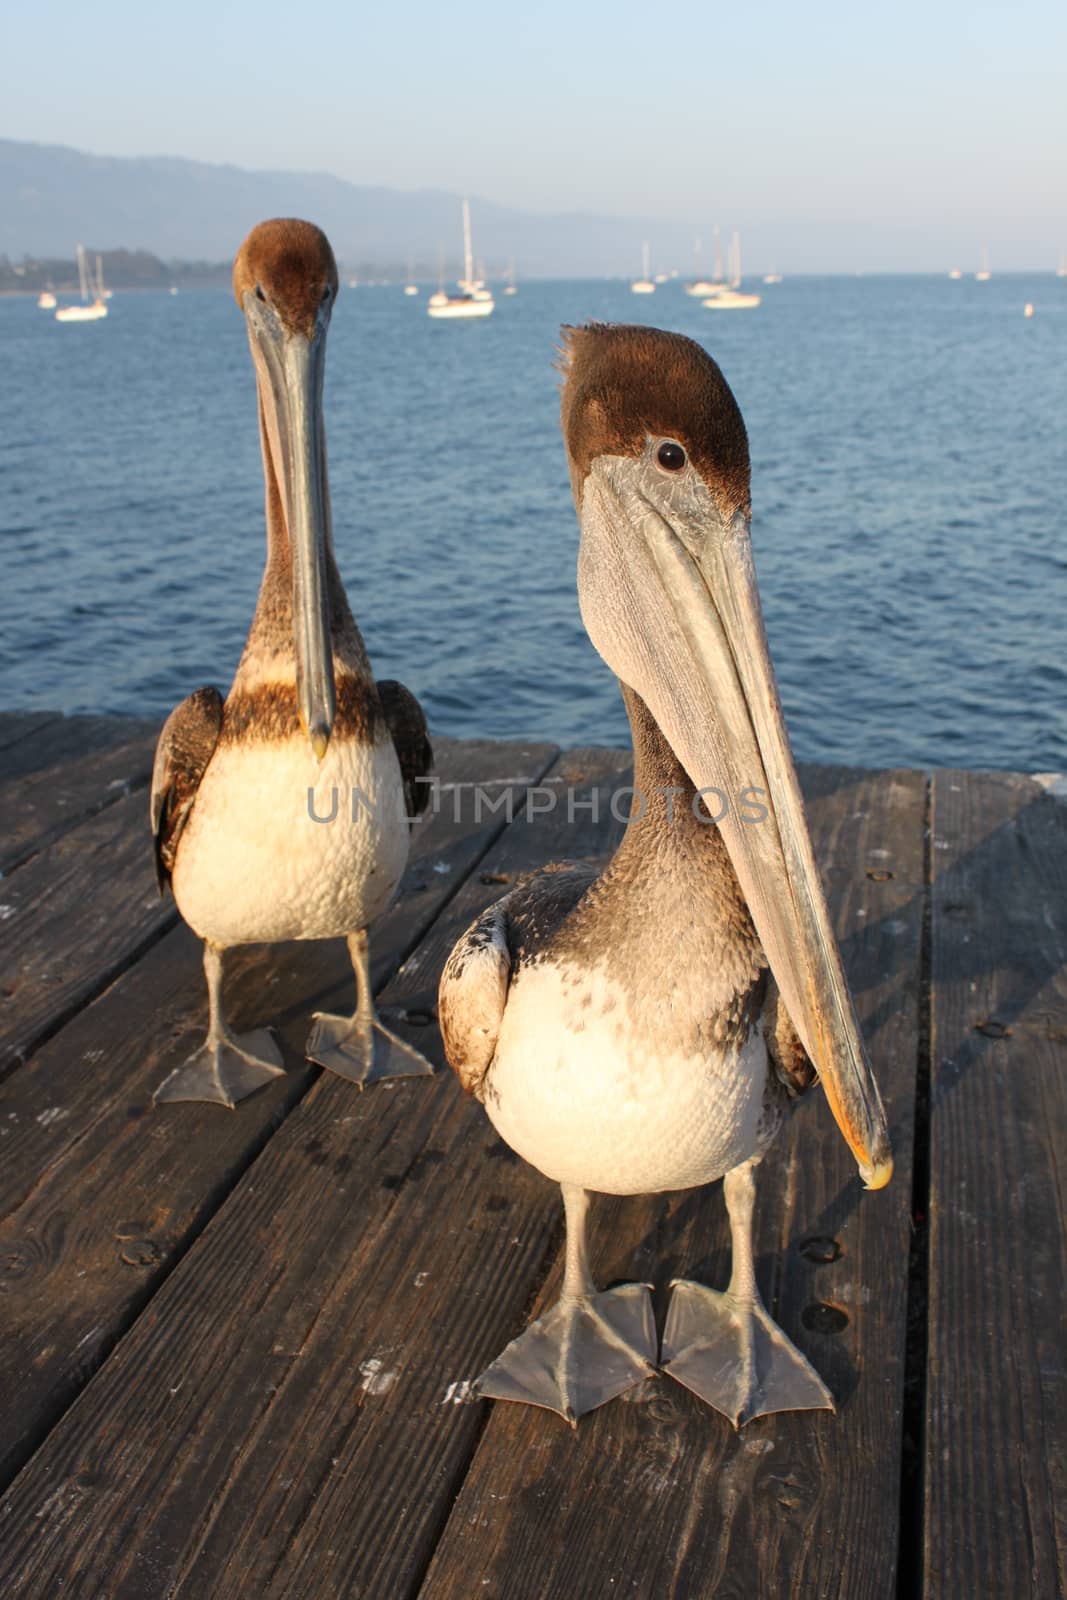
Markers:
{"x": 52, "y": 196}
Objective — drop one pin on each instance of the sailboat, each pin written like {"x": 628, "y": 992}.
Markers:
{"x": 772, "y": 276}
{"x": 983, "y": 274}
{"x": 1061, "y": 270}
{"x": 731, "y": 298}
{"x": 704, "y": 288}
{"x": 474, "y": 299}
{"x": 643, "y": 284}
{"x": 701, "y": 286}
{"x": 88, "y": 311}
{"x": 956, "y": 274}
{"x": 46, "y": 300}
{"x": 511, "y": 287}
{"x": 411, "y": 287}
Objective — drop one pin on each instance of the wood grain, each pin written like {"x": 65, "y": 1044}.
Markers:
{"x": 301, "y": 1352}
{"x": 18, "y": 725}
{"x": 73, "y": 919}
{"x": 996, "y": 1447}
{"x": 101, "y": 1194}
{"x": 654, "y": 1495}
{"x": 235, "y": 1348}
{"x": 66, "y": 772}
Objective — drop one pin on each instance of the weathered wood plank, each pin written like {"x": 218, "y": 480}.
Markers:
{"x": 373, "y": 1399}
{"x": 50, "y": 739}
{"x": 657, "y": 1496}
{"x": 75, "y": 917}
{"x": 99, "y": 1193}
{"x": 300, "y": 1353}
{"x": 17, "y": 725}
{"x": 70, "y": 771}
{"x": 996, "y": 1447}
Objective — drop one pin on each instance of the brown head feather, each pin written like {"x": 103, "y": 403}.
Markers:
{"x": 621, "y": 384}
{"x": 292, "y": 264}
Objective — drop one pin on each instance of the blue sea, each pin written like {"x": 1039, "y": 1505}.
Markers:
{"x": 909, "y": 489}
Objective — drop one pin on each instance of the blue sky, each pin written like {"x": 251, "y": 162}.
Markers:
{"x": 912, "y": 115}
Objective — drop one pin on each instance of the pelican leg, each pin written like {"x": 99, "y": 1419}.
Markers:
{"x": 360, "y": 1047}
{"x": 227, "y": 1067}
{"x": 725, "y": 1347}
{"x": 589, "y": 1348}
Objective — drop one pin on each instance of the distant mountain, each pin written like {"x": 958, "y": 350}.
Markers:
{"x": 52, "y": 196}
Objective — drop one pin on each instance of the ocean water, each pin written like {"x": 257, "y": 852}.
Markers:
{"x": 909, "y": 489}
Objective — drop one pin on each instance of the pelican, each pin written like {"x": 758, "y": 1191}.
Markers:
{"x": 646, "y": 1029}
{"x": 282, "y": 811}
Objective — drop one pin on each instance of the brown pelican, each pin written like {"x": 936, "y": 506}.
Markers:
{"x": 645, "y": 1029}
{"x": 281, "y": 812}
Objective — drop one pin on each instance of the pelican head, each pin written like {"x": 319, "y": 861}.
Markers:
{"x": 285, "y": 281}
{"x": 660, "y": 470}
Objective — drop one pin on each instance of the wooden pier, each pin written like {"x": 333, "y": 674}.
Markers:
{"x": 236, "y": 1347}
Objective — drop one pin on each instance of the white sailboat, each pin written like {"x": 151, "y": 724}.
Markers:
{"x": 701, "y": 288}
{"x": 46, "y": 300}
{"x": 411, "y": 287}
{"x": 474, "y": 299}
{"x": 643, "y": 284}
{"x": 511, "y": 287}
{"x": 731, "y": 298}
{"x": 956, "y": 274}
{"x": 1061, "y": 270}
{"x": 772, "y": 276}
{"x": 983, "y": 274}
{"x": 89, "y": 310}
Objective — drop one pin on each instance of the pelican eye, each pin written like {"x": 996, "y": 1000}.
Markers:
{"x": 326, "y": 294}
{"x": 259, "y": 293}
{"x": 671, "y": 456}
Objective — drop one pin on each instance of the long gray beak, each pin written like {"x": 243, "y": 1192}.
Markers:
{"x": 669, "y": 598}
{"x": 291, "y": 368}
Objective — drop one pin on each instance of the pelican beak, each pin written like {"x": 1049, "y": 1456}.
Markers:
{"x": 669, "y": 598}
{"x": 291, "y": 367}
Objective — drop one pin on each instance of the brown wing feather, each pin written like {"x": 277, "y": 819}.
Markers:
{"x": 472, "y": 997}
{"x": 407, "y": 724}
{"x": 185, "y": 747}
{"x": 788, "y": 1056}
{"x": 478, "y": 973}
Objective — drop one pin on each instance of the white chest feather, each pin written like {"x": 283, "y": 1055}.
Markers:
{"x": 279, "y": 846}
{"x": 591, "y": 1099}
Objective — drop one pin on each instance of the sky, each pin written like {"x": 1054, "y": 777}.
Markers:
{"x": 910, "y": 116}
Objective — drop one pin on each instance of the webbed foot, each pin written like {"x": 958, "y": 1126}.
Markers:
{"x": 363, "y": 1050}
{"x": 733, "y": 1354}
{"x": 225, "y": 1070}
{"x": 579, "y": 1355}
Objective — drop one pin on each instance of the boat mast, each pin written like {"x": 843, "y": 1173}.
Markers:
{"x": 735, "y": 259}
{"x": 83, "y": 276}
{"x": 718, "y": 253}
{"x": 468, "y": 261}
